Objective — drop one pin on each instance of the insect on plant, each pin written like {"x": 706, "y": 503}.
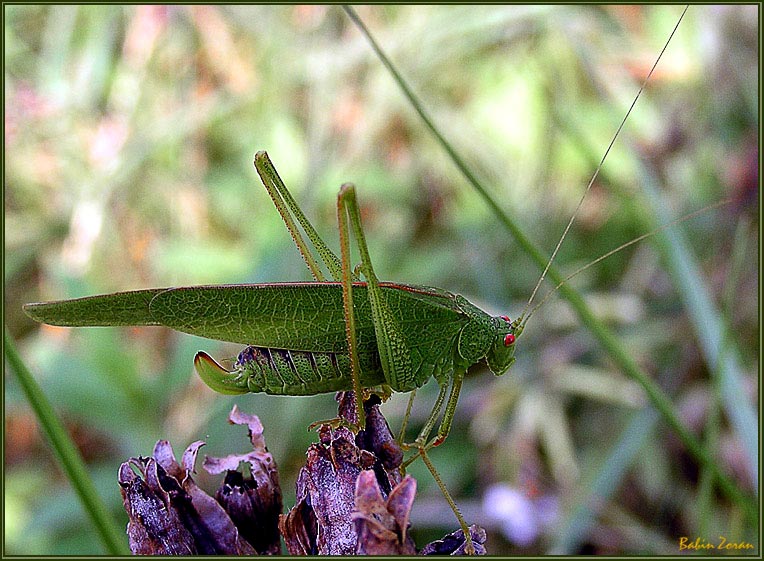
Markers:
{"x": 344, "y": 331}
{"x": 310, "y": 338}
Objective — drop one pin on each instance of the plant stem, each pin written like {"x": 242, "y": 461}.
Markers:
{"x": 67, "y": 454}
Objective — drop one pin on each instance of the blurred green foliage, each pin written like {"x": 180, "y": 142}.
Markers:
{"x": 129, "y": 135}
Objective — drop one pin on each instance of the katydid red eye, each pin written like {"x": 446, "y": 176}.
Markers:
{"x": 508, "y": 339}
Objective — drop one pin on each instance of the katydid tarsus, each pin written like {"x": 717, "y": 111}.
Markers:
{"x": 308, "y": 338}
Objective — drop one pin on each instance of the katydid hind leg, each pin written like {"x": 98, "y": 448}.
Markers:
{"x": 347, "y": 302}
{"x": 288, "y": 208}
{"x": 394, "y": 352}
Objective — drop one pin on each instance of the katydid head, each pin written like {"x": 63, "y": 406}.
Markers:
{"x": 501, "y": 355}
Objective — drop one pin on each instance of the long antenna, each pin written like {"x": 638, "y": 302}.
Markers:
{"x": 599, "y": 167}
{"x": 623, "y": 246}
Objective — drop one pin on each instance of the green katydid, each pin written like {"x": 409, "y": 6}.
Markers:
{"x": 305, "y": 338}
{"x": 314, "y": 337}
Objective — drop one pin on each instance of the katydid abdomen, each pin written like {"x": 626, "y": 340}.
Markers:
{"x": 288, "y": 372}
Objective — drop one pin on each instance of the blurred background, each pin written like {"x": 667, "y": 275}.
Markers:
{"x": 129, "y": 137}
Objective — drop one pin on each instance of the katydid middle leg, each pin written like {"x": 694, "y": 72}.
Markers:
{"x": 406, "y": 415}
{"x": 421, "y": 444}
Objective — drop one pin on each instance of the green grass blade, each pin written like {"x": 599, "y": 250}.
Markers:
{"x": 579, "y": 519}
{"x": 603, "y": 335}
{"x": 713, "y": 424}
{"x": 686, "y": 275}
{"x": 452, "y": 153}
{"x": 720, "y": 353}
{"x": 69, "y": 458}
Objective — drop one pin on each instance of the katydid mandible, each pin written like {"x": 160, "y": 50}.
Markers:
{"x": 306, "y": 338}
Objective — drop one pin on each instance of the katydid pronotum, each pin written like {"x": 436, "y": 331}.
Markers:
{"x": 151, "y": 301}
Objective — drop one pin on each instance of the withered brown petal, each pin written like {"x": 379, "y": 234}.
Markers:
{"x": 181, "y": 502}
{"x": 300, "y": 529}
{"x": 188, "y": 460}
{"x": 368, "y": 497}
{"x": 346, "y": 406}
{"x": 255, "y": 510}
{"x": 299, "y": 526}
{"x": 400, "y": 501}
{"x": 165, "y": 456}
{"x": 236, "y": 417}
{"x": 153, "y": 527}
{"x": 214, "y": 524}
{"x": 379, "y": 532}
{"x": 254, "y": 503}
{"x": 454, "y": 543}
{"x": 325, "y": 498}
{"x": 378, "y": 439}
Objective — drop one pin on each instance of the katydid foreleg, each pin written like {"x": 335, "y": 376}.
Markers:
{"x": 432, "y": 419}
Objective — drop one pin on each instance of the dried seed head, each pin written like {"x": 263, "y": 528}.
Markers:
{"x": 169, "y": 514}
{"x": 254, "y": 503}
{"x": 454, "y": 543}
